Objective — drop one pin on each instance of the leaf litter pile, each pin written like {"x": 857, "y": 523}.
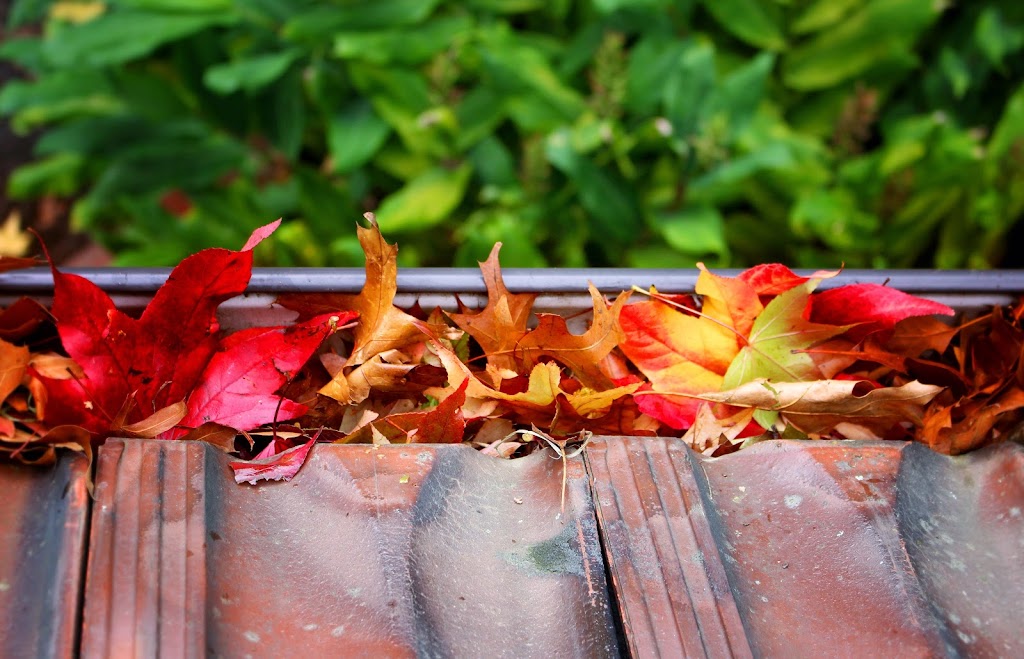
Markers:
{"x": 757, "y": 356}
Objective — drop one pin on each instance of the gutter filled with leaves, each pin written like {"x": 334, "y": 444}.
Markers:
{"x": 759, "y": 355}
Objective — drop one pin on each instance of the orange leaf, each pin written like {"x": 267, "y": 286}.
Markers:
{"x": 502, "y": 323}
{"x": 13, "y": 362}
{"x": 677, "y": 352}
{"x": 580, "y": 352}
{"x": 382, "y": 326}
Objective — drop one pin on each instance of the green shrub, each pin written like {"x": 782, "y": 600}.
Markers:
{"x": 877, "y": 133}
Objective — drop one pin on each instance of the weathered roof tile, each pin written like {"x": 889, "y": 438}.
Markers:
{"x": 42, "y": 547}
{"x": 397, "y": 550}
{"x": 858, "y": 548}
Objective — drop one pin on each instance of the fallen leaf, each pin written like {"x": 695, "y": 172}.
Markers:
{"x": 382, "y": 326}
{"x": 236, "y": 388}
{"x": 684, "y": 350}
{"x": 771, "y": 279}
{"x": 383, "y": 372}
{"x": 14, "y": 361}
{"x": 778, "y": 339}
{"x": 22, "y": 318}
{"x": 975, "y": 423}
{"x": 708, "y": 432}
{"x": 869, "y": 308}
{"x": 816, "y": 407}
{"x": 276, "y": 467}
{"x": 215, "y": 434}
{"x": 502, "y": 322}
{"x": 156, "y": 423}
{"x": 158, "y": 357}
{"x": 582, "y": 353}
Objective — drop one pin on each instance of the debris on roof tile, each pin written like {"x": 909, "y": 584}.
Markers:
{"x": 42, "y": 544}
{"x": 394, "y": 550}
{"x": 809, "y": 548}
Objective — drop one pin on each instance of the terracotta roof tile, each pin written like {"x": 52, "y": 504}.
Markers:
{"x": 42, "y": 546}
{"x": 397, "y": 550}
{"x": 800, "y": 548}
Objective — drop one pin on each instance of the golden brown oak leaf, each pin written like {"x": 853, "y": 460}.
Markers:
{"x": 582, "y": 353}
{"x": 502, "y": 322}
{"x": 382, "y": 326}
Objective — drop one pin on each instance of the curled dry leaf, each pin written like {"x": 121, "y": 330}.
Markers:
{"x": 817, "y": 407}
{"x": 502, "y": 323}
{"x": 382, "y": 326}
{"x": 156, "y": 423}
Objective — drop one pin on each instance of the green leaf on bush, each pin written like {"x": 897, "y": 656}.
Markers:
{"x": 688, "y": 88}
{"x": 749, "y": 20}
{"x": 997, "y": 37}
{"x": 821, "y": 14}
{"x": 1009, "y": 131}
{"x": 354, "y": 135}
{"x": 506, "y": 6}
{"x": 488, "y": 226}
{"x": 651, "y": 63}
{"x": 881, "y": 31}
{"x": 695, "y": 230}
{"x": 249, "y": 74}
{"x": 608, "y": 199}
{"x": 425, "y": 201}
{"x": 322, "y": 21}
{"x": 406, "y": 46}
{"x": 120, "y": 36}
{"x": 182, "y": 6}
{"x": 57, "y": 175}
{"x": 519, "y": 69}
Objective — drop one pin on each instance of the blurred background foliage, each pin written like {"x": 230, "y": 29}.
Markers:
{"x": 649, "y": 133}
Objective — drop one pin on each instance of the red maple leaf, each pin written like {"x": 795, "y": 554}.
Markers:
{"x": 870, "y": 308}
{"x": 174, "y": 351}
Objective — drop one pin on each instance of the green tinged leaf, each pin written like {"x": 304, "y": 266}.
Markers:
{"x": 777, "y": 339}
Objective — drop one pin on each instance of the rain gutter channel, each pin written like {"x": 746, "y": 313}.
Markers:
{"x": 562, "y": 289}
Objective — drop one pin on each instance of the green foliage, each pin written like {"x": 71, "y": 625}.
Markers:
{"x": 655, "y": 133}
